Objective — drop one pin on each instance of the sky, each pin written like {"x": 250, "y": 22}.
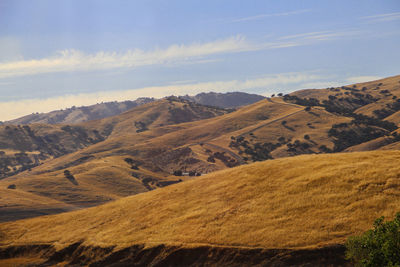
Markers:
{"x": 58, "y": 54}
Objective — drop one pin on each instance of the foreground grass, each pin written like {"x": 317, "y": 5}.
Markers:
{"x": 304, "y": 201}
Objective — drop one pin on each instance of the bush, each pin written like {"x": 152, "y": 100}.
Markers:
{"x": 129, "y": 161}
{"x": 12, "y": 186}
{"x": 377, "y": 247}
{"x": 178, "y": 173}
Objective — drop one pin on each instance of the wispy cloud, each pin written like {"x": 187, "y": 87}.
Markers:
{"x": 383, "y": 17}
{"x": 321, "y": 35}
{"x": 74, "y": 60}
{"x": 361, "y": 79}
{"x": 320, "y": 84}
{"x": 326, "y": 81}
{"x": 195, "y": 53}
{"x": 267, "y": 84}
{"x": 263, "y": 16}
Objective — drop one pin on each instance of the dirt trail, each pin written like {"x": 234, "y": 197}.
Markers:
{"x": 275, "y": 120}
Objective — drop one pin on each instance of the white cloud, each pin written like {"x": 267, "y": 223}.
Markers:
{"x": 74, "y": 60}
{"x": 320, "y": 84}
{"x": 383, "y": 17}
{"x": 361, "y": 79}
{"x": 325, "y": 83}
{"x": 267, "y": 83}
{"x": 321, "y": 36}
{"x": 196, "y": 53}
{"x": 262, "y": 16}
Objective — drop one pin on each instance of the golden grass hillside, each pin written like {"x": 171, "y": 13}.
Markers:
{"x": 18, "y": 204}
{"x": 173, "y": 134}
{"x": 303, "y": 201}
{"x": 372, "y": 87}
{"x": 101, "y": 171}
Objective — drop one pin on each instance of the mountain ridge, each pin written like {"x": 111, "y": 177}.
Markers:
{"x": 76, "y": 115}
{"x": 165, "y": 141}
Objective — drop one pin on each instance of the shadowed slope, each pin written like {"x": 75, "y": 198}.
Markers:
{"x": 17, "y": 204}
{"x": 80, "y": 114}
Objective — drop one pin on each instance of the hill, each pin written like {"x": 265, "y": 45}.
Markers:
{"x": 75, "y": 115}
{"x": 80, "y": 114}
{"x": 173, "y": 139}
{"x": 225, "y": 100}
{"x": 27, "y": 146}
{"x": 288, "y": 211}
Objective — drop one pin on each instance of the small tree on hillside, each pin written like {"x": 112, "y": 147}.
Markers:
{"x": 178, "y": 173}
{"x": 377, "y": 247}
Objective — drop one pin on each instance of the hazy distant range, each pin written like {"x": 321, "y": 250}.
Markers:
{"x": 108, "y": 109}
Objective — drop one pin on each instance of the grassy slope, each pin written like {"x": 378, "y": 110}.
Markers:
{"x": 105, "y": 176}
{"x": 303, "y": 201}
{"x": 391, "y": 83}
{"x": 17, "y": 204}
{"x": 101, "y": 172}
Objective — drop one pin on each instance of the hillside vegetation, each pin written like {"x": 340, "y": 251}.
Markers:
{"x": 80, "y": 114}
{"x": 307, "y": 201}
{"x": 103, "y": 110}
{"x": 151, "y": 145}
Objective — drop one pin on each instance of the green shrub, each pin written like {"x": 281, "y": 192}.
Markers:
{"x": 377, "y": 247}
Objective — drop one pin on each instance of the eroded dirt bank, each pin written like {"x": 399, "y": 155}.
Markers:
{"x": 162, "y": 255}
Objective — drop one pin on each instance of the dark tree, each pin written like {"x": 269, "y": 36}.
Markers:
{"x": 178, "y": 173}
{"x": 12, "y": 186}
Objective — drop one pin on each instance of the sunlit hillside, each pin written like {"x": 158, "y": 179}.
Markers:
{"x": 141, "y": 149}
{"x": 307, "y": 201}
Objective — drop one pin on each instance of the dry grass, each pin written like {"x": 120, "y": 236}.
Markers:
{"x": 391, "y": 83}
{"x": 17, "y": 204}
{"x": 106, "y": 176}
{"x": 97, "y": 181}
{"x": 304, "y": 201}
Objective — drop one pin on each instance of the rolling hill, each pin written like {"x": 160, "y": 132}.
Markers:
{"x": 80, "y": 114}
{"x": 27, "y": 146}
{"x": 289, "y": 211}
{"x": 151, "y": 145}
{"x": 75, "y": 115}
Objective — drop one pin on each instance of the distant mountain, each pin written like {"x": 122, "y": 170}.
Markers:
{"x": 99, "y": 111}
{"x": 81, "y": 114}
{"x": 165, "y": 141}
{"x": 225, "y": 100}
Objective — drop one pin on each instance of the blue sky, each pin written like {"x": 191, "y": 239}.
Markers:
{"x": 55, "y": 54}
